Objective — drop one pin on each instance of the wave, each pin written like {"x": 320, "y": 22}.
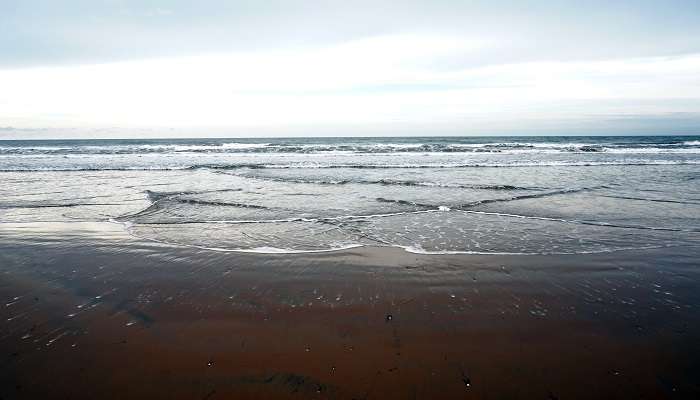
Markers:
{"x": 129, "y": 218}
{"x": 132, "y": 149}
{"x": 423, "y": 208}
{"x": 224, "y": 167}
{"x": 128, "y": 226}
{"x": 409, "y": 249}
{"x": 429, "y": 209}
{"x": 514, "y": 164}
{"x": 652, "y": 200}
{"x": 161, "y": 203}
{"x": 416, "y": 249}
{"x": 584, "y": 222}
{"x": 481, "y": 202}
{"x": 352, "y": 225}
{"x": 155, "y": 196}
{"x": 92, "y": 168}
{"x": 419, "y": 250}
{"x": 220, "y": 203}
{"x": 388, "y": 182}
{"x": 524, "y": 197}
{"x": 404, "y": 202}
{"x": 53, "y": 205}
{"x": 380, "y": 145}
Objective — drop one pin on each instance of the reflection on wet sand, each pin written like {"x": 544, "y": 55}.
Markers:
{"x": 91, "y": 312}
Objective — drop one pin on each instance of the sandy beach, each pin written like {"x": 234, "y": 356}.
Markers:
{"x": 91, "y": 312}
{"x": 365, "y": 200}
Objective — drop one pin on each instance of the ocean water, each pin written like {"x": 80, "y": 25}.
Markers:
{"x": 522, "y": 195}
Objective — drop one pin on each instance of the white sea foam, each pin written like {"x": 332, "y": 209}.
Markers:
{"x": 283, "y": 196}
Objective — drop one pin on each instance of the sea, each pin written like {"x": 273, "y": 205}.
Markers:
{"x": 429, "y": 195}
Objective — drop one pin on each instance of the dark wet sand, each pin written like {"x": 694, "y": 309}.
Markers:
{"x": 90, "y": 313}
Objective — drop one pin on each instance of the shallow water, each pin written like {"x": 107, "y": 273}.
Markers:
{"x": 526, "y": 195}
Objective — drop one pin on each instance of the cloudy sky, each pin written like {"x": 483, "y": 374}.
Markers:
{"x": 119, "y": 68}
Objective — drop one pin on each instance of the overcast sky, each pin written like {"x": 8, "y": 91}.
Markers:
{"x": 118, "y": 68}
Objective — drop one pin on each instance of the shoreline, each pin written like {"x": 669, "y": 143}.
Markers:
{"x": 101, "y": 314}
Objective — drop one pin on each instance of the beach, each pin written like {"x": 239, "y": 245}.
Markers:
{"x": 349, "y": 200}
{"x": 94, "y": 313}
{"x": 350, "y": 269}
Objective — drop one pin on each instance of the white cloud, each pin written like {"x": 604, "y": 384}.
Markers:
{"x": 371, "y": 82}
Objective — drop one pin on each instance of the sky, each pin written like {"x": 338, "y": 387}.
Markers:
{"x": 124, "y": 68}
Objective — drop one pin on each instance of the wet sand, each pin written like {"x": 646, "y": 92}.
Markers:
{"x": 91, "y": 313}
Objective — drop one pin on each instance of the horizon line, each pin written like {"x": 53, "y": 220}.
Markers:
{"x": 346, "y": 137}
